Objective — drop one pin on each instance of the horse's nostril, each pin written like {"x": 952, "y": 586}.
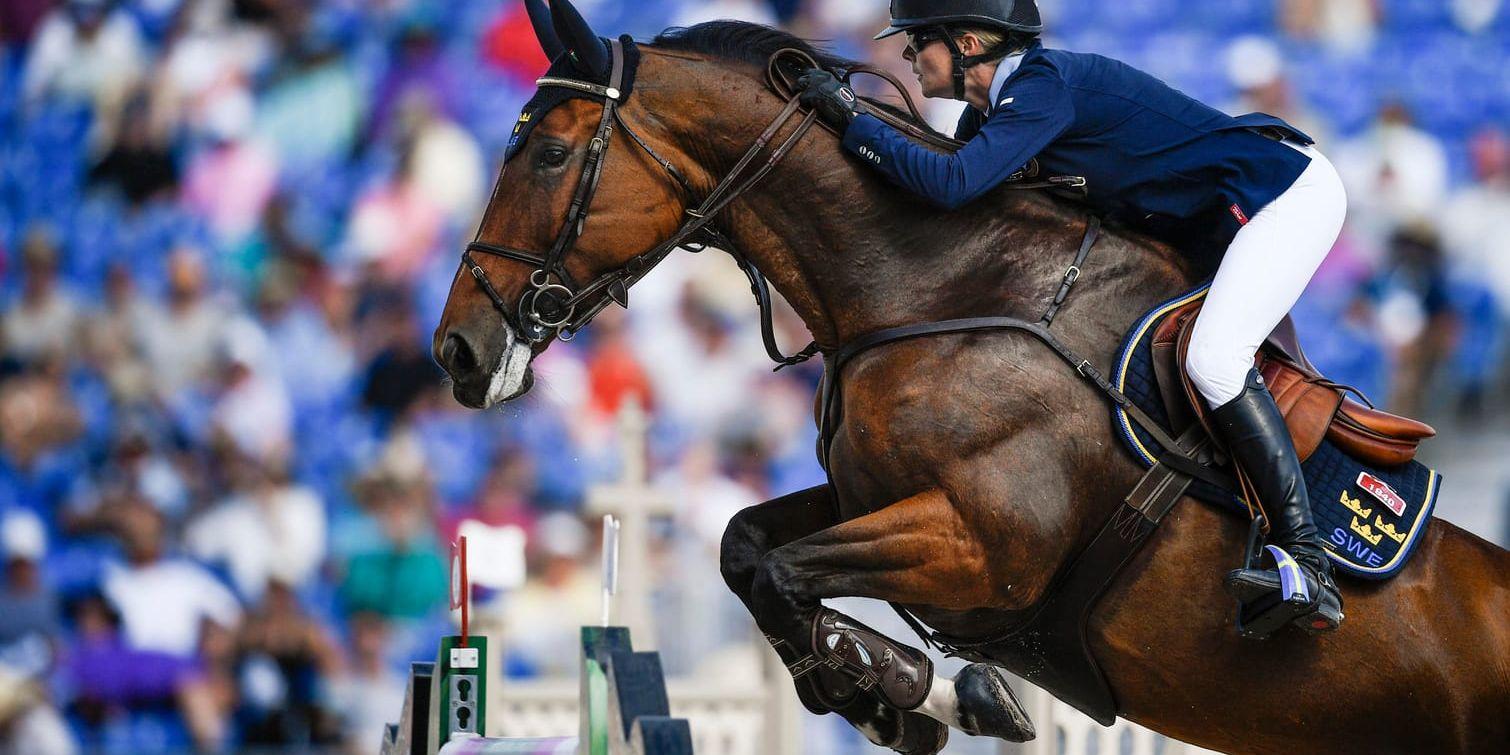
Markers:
{"x": 456, "y": 356}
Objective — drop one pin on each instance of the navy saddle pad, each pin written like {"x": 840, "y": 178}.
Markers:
{"x": 1371, "y": 517}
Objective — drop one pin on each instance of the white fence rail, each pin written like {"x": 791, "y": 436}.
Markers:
{"x": 1062, "y": 730}
{"x": 724, "y": 721}
{"x": 735, "y": 721}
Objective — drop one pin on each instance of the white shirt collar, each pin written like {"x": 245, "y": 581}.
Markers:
{"x": 1004, "y": 71}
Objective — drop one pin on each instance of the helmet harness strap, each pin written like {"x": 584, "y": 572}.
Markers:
{"x": 961, "y": 61}
{"x": 958, "y": 65}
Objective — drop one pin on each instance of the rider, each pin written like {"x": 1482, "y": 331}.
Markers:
{"x": 1159, "y": 162}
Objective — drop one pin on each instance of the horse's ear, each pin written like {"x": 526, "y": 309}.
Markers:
{"x": 585, "y": 48}
{"x": 540, "y": 19}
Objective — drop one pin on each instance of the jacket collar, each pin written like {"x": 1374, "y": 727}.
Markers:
{"x": 1006, "y": 69}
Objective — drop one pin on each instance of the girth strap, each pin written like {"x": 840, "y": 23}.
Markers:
{"x": 1083, "y": 367}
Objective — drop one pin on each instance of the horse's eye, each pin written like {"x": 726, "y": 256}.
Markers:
{"x": 553, "y": 157}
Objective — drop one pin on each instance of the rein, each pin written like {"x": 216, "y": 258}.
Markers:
{"x": 555, "y": 305}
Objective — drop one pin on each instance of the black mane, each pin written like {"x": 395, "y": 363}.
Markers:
{"x": 743, "y": 42}
{"x": 754, "y": 44}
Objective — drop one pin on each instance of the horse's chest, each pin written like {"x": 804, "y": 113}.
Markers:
{"x": 922, "y": 414}
{"x": 894, "y": 438}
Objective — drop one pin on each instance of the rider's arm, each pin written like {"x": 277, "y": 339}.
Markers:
{"x": 1034, "y": 109}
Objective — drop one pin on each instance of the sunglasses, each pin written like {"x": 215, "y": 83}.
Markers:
{"x": 917, "y": 39}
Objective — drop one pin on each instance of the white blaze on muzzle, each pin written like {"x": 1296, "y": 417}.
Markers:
{"x": 508, "y": 377}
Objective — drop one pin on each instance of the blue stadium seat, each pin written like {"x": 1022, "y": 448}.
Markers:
{"x": 1067, "y": 18}
{"x": 91, "y": 240}
{"x": 10, "y": 90}
{"x": 76, "y": 565}
{"x": 1136, "y": 17}
{"x": 1480, "y": 344}
{"x": 1185, "y": 61}
{"x": 1229, "y": 18}
{"x": 641, "y": 20}
{"x": 457, "y": 447}
{"x": 9, "y": 231}
{"x": 1318, "y": 76}
{"x": 151, "y": 731}
{"x": 1416, "y": 14}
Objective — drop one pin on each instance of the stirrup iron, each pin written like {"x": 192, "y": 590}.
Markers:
{"x": 1270, "y": 599}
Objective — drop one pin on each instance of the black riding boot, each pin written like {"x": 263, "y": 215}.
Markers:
{"x": 1255, "y": 434}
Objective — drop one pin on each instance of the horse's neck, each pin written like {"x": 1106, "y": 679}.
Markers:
{"x": 854, "y": 254}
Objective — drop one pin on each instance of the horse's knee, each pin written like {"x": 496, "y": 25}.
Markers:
{"x": 739, "y": 553}
{"x": 775, "y": 584}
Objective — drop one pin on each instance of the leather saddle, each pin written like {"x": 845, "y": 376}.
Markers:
{"x": 1314, "y": 407}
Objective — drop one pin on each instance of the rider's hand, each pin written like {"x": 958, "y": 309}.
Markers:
{"x": 835, "y": 102}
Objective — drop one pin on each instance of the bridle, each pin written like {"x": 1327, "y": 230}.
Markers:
{"x": 554, "y": 305}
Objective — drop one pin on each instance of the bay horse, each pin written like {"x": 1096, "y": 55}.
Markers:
{"x": 967, "y": 469}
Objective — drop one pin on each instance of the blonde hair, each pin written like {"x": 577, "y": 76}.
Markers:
{"x": 997, "y": 42}
{"x": 989, "y": 38}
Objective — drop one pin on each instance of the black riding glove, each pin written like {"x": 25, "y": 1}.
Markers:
{"x": 833, "y": 99}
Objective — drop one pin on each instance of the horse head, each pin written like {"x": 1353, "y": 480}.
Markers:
{"x": 572, "y": 211}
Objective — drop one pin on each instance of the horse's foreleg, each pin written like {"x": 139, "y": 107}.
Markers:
{"x": 912, "y": 552}
{"x": 751, "y": 535}
{"x": 758, "y": 530}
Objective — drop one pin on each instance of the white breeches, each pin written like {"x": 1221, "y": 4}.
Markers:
{"x": 1266, "y": 268}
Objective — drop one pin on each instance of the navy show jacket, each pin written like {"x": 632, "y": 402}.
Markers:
{"x": 1154, "y": 158}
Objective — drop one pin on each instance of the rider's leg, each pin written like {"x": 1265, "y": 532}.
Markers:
{"x": 1261, "y": 276}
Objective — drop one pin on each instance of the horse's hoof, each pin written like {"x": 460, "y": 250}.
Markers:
{"x": 987, "y": 706}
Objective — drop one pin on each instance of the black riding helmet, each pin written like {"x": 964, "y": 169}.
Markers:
{"x": 1008, "y": 15}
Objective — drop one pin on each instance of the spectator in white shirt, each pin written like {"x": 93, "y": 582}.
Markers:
{"x": 88, "y": 51}
{"x": 44, "y": 318}
{"x": 1395, "y": 173}
{"x": 163, "y": 602}
{"x": 253, "y": 412}
{"x": 1473, "y": 226}
{"x": 267, "y": 529}
{"x": 181, "y": 341}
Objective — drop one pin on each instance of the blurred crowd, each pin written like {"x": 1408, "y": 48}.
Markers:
{"x": 230, "y": 471}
